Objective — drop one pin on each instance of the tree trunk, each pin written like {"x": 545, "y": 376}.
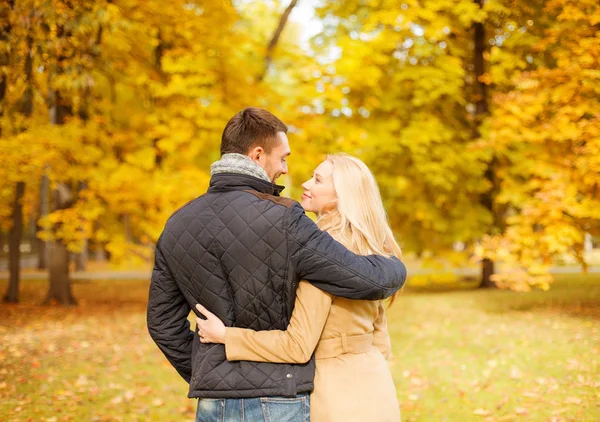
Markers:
{"x": 487, "y": 271}
{"x": 481, "y": 111}
{"x": 126, "y": 220}
{"x": 99, "y": 253}
{"x": 44, "y": 209}
{"x": 60, "y": 283}
{"x": 5, "y": 30}
{"x": 60, "y": 109}
{"x": 159, "y": 51}
{"x": 16, "y": 233}
{"x": 81, "y": 258}
{"x": 58, "y": 256}
{"x": 98, "y": 247}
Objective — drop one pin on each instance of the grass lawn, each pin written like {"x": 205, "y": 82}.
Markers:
{"x": 459, "y": 356}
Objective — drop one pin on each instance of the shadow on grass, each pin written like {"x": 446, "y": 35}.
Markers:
{"x": 576, "y": 295}
{"x": 462, "y": 284}
{"x": 95, "y": 298}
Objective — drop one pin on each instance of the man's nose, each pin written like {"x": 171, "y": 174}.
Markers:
{"x": 284, "y": 169}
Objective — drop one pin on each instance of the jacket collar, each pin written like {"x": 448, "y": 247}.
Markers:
{"x": 222, "y": 182}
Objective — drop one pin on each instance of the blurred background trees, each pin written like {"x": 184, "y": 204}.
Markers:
{"x": 479, "y": 118}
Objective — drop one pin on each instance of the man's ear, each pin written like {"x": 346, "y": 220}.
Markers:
{"x": 256, "y": 154}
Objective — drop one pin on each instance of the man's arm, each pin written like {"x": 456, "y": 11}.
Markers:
{"x": 331, "y": 267}
{"x": 167, "y": 318}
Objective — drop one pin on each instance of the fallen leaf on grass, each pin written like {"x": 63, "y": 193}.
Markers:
{"x": 502, "y": 402}
{"x": 157, "y": 402}
{"x": 82, "y": 380}
{"x": 515, "y": 373}
{"x": 408, "y": 406}
{"x": 481, "y": 412}
{"x": 521, "y": 411}
{"x": 573, "y": 400}
{"x": 185, "y": 409}
{"x": 531, "y": 395}
{"x": 416, "y": 381}
{"x": 145, "y": 391}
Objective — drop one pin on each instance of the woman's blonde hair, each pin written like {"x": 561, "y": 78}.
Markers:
{"x": 359, "y": 221}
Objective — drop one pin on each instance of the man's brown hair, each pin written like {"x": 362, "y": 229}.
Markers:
{"x": 251, "y": 127}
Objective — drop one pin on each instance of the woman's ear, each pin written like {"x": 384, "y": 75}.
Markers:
{"x": 256, "y": 154}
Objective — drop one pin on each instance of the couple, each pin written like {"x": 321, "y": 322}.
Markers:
{"x": 281, "y": 285}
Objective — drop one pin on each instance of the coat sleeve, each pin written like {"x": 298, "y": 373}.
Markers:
{"x": 167, "y": 318}
{"x": 331, "y": 267}
{"x": 296, "y": 344}
{"x": 381, "y": 336}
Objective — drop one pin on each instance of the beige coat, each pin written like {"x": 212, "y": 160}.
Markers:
{"x": 351, "y": 344}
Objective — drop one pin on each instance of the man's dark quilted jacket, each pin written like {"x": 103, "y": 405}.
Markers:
{"x": 240, "y": 250}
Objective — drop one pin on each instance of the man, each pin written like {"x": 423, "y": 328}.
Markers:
{"x": 240, "y": 250}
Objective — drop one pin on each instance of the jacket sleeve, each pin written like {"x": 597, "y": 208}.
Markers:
{"x": 328, "y": 265}
{"x": 381, "y": 336}
{"x": 167, "y": 318}
{"x": 296, "y": 344}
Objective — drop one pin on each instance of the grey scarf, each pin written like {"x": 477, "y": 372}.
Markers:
{"x": 240, "y": 164}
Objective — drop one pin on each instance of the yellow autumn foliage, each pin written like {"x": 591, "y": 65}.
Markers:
{"x": 149, "y": 89}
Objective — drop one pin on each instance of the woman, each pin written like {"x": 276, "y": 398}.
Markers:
{"x": 350, "y": 339}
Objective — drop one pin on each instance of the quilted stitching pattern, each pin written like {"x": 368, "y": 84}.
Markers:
{"x": 228, "y": 252}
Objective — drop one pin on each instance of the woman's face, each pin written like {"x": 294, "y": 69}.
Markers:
{"x": 319, "y": 192}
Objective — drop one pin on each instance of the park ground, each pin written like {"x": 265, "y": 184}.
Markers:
{"x": 459, "y": 355}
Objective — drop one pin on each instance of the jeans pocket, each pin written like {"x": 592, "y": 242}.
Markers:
{"x": 210, "y": 410}
{"x": 282, "y": 409}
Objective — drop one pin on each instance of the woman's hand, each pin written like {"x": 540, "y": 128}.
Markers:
{"x": 211, "y": 329}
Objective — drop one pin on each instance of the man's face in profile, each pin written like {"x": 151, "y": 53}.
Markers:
{"x": 275, "y": 162}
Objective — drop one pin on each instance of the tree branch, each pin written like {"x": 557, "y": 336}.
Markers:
{"x": 275, "y": 39}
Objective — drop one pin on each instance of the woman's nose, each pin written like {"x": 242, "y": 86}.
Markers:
{"x": 306, "y": 185}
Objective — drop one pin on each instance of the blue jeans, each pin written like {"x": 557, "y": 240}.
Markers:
{"x": 263, "y": 409}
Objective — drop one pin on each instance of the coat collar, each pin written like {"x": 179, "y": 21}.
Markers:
{"x": 222, "y": 182}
